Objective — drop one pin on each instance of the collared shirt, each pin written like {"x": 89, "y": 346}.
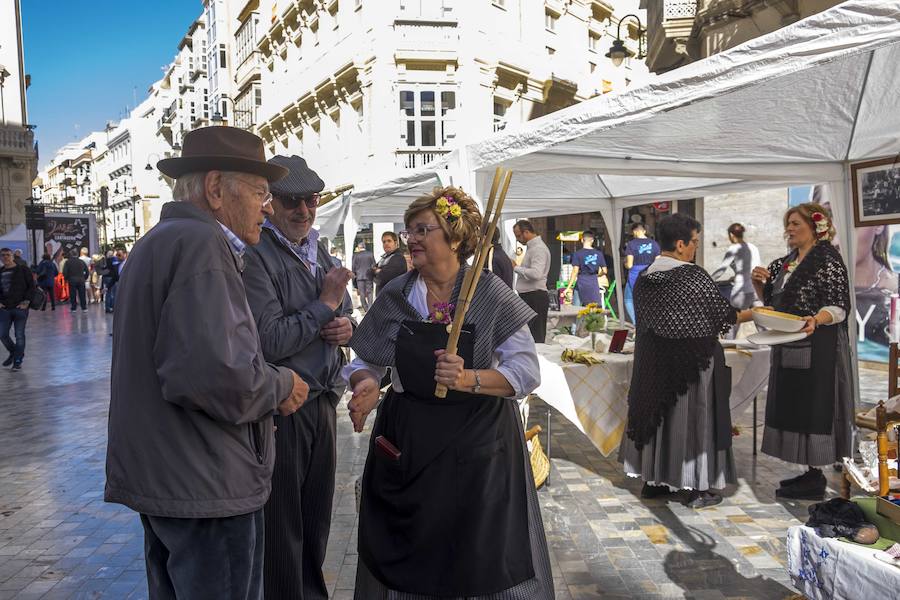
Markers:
{"x": 532, "y": 273}
{"x": 237, "y": 245}
{"x": 306, "y": 250}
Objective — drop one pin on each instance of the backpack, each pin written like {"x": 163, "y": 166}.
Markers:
{"x": 38, "y": 299}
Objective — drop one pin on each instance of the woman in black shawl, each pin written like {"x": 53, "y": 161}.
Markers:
{"x": 448, "y": 506}
{"x": 809, "y": 406}
{"x": 678, "y": 435}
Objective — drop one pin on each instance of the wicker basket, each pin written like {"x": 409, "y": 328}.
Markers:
{"x": 540, "y": 464}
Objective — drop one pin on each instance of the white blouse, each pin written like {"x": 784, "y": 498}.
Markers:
{"x": 516, "y": 358}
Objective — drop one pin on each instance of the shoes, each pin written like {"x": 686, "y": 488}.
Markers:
{"x": 8, "y": 361}
{"x": 72, "y": 309}
{"x": 52, "y": 308}
{"x": 84, "y": 309}
{"x": 17, "y": 365}
{"x": 648, "y": 492}
{"x": 696, "y": 499}
{"x": 792, "y": 480}
{"x": 810, "y": 486}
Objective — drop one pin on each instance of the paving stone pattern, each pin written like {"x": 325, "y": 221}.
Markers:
{"x": 58, "y": 539}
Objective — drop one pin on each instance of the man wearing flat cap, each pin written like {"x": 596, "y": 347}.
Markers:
{"x": 302, "y": 309}
{"x": 191, "y": 444}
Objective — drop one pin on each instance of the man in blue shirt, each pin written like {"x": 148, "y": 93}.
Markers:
{"x": 588, "y": 264}
{"x": 640, "y": 252}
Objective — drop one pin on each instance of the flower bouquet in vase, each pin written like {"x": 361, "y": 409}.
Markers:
{"x": 593, "y": 319}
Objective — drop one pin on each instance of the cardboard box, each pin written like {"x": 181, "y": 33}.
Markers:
{"x": 888, "y": 509}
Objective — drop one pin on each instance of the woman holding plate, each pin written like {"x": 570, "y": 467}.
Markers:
{"x": 448, "y": 506}
{"x": 809, "y": 408}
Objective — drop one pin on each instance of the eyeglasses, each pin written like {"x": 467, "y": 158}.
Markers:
{"x": 292, "y": 202}
{"x": 417, "y": 233}
{"x": 263, "y": 194}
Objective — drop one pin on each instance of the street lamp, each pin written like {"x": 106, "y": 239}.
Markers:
{"x": 618, "y": 52}
{"x": 149, "y": 166}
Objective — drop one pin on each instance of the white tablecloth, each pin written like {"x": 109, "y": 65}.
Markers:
{"x": 595, "y": 398}
{"x": 824, "y": 568}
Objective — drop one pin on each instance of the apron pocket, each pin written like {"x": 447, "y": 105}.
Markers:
{"x": 796, "y": 356}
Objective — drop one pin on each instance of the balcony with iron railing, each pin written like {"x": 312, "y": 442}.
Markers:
{"x": 670, "y": 24}
{"x": 413, "y": 159}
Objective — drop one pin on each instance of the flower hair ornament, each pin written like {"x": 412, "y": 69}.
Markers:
{"x": 448, "y": 208}
{"x": 822, "y": 224}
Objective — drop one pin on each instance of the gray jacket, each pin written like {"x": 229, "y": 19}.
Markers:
{"x": 284, "y": 297}
{"x": 192, "y": 398}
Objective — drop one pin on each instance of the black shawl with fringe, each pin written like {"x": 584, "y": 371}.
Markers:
{"x": 679, "y": 314}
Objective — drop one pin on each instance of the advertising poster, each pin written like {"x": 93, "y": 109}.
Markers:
{"x": 875, "y": 279}
{"x": 64, "y": 232}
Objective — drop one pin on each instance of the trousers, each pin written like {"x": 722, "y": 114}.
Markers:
{"x": 298, "y": 513}
{"x": 204, "y": 559}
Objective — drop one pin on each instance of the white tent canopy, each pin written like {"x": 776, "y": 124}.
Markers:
{"x": 795, "y": 106}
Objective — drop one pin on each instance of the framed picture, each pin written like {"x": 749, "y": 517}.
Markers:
{"x": 876, "y": 192}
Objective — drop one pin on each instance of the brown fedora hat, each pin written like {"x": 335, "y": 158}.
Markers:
{"x": 221, "y": 148}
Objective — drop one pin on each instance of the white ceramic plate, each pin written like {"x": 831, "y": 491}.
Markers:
{"x": 773, "y": 338}
{"x": 777, "y": 321}
{"x": 740, "y": 343}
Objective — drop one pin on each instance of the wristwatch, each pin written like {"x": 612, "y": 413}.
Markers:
{"x": 477, "y": 387}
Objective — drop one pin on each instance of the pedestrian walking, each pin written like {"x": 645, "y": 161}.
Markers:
{"x": 588, "y": 265}
{"x": 114, "y": 268}
{"x": 302, "y": 309}
{"x": 76, "y": 274}
{"x": 19, "y": 258}
{"x": 392, "y": 263}
{"x": 191, "y": 444}
{"x": 16, "y": 288}
{"x": 532, "y": 277}
{"x": 363, "y": 267}
{"x": 46, "y": 273}
{"x": 94, "y": 293}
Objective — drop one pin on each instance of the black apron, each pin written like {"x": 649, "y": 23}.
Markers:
{"x": 450, "y": 517}
{"x": 722, "y": 399}
{"x": 804, "y": 376}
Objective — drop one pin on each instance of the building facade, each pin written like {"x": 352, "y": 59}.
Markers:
{"x": 18, "y": 154}
{"x": 188, "y": 86}
{"x": 363, "y": 88}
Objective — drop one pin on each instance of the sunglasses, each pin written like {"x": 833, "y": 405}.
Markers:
{"x": 293, "y": 202}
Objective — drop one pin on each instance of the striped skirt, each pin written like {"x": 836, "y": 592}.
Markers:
{"x": 682, "y": 453}
{"x": 540, "y": 587}
{"x": 817, "y": 450}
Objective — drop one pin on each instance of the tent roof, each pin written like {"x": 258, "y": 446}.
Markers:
{"x": 786, "y": 108}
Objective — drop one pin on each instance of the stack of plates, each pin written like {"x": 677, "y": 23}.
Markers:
{"x": 782, "y": 328}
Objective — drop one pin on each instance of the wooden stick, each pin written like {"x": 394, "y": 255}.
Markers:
{"x": 466, "y": 293}
{"x": 495, "y": 186}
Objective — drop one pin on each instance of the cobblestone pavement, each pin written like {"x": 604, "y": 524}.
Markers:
{"x": 58, "y": 539}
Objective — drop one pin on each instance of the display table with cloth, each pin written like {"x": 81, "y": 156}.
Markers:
{"x": 595, "y": 398}
{"x": 828, "y": 569}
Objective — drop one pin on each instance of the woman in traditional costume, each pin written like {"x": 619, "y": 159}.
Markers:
{"x": 448, "y": 506}
{"x": 678, "y": 435}
{"x": 809, "y": 406}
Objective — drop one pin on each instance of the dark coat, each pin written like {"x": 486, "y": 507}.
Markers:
{"x": 501, "y": 265}
{"x": 20, "y": 287}
{"x": 46, "y": 273}
{"x": 362, "y": 264}
{"x": 284, "y": 297}
{"x": 392, "y": 265}
{"x": 75, "y": 271}
{"x": 191, "y": 396}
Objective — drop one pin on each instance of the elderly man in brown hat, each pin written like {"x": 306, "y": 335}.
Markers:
{"x": 192, "y": 398}
{"x": 302, "y": 310}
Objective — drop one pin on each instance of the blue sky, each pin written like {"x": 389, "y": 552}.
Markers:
{"x": 88, "y": 60}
